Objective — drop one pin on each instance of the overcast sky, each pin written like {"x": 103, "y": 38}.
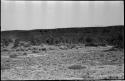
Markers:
{"x": 22, "y": 15}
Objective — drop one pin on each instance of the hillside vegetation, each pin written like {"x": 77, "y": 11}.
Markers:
{"x": 90, "y": 36}
{"x": 91, "y": 53}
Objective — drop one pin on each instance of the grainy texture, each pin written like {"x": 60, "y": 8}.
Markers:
{"x": 92, "y": 53}
{"x": 87, "y": 63}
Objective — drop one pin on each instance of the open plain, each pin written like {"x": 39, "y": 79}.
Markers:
{"x": 60, "y": 62}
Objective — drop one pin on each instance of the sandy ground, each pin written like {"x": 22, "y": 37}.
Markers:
{"x": 72, "y": 64}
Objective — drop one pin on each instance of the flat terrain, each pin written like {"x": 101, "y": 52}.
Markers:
{"x": 83, "y": 63}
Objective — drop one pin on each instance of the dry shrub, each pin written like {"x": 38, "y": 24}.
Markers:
{"x": 51, "y": 48}
{"x": 13, "y": 56}
{"x": 25, "y": 54}
{"x": 91, "y": 44}
{"x": 35, "y": 51}
{"x": 4, "y": 50}
{"x": 63, "y": 47}
{"x": 44, "y": 49}
{"x": 77, "y": 67}
{"x": 112, "y": 78}
{"x": 5, "y": 66}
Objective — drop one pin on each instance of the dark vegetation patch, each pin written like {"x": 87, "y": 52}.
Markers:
{"x": 6, "y": 64}
{"x": 4, "y": 50}
{"x": 110, "y": 57}
{"x": 13, "y": 55}
{"x": 77, "y": 67}
{"x": 90, "y": 36}
{"x": 35, "y": 51}
{"x": 114, "y": 49}
{"x": 25, "y": 54}
{"x": 113, "y": 78}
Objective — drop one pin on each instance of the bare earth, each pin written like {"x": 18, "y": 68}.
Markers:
{"x": 85, "y": 63}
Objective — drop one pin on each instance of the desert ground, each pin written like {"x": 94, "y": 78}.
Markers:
{"x": 52, "y": 62}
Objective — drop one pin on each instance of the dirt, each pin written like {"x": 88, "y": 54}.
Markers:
{"x": 70, "y": 64}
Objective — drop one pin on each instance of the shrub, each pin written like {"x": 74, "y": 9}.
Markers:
{"x": 72, "y": 46}
{"x": 26, "y": 45}
{"x": 50, "y": 49}
{"x": 25, "y": 53}
{"x": 5, "y": 42}
{"x": 4, "y": 49}
{"x": 91, "y": 44}
{"x": 63, "y": 47}
{"x": 102, "y": 44}
{"x": 35, "y": 51}
{"x": 76, "y": 67}
{"x": 16, "y": 43}
{"x": 5, "y": 66}
{"x": 89, "y": 40}
{"x": 13, "y": 56}
{"x": 50, "y": 41}
{"x": 111, "y": 78}
{"x": 43, "y": 49}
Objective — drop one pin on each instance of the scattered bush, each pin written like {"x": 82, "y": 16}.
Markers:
{"x": 6, "y": 42}
{"x": 89, "y": 40}
{"x": 102, "y": 44}
{"x": 35, "y": 51}
{"x": 13, "y": 56}
{"x": 51, "y": 48}
{"x": 5, "y": 66}
{"x": 111, "y": 49}
{"x": 91, "y": 44}
{"x": 4, "y": 49}
{"x": 16, "y": 43}
{"x": 76, "y": 67}
{"x": 25, "y": 53}
{"x": 44, "y": 49}
{"x": 112, "y": 35}
{"x": 111, "y": 78}
{"x": 71, "y": 46}
{"x": 63, "y": 47}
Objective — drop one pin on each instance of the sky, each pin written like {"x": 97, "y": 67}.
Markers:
{"x": 28, "y": 15}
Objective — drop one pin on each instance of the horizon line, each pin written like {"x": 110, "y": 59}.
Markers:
{"x": 59, "y": 28}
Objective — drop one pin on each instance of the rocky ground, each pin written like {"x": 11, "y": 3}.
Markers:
{"x": 61, "y": 63}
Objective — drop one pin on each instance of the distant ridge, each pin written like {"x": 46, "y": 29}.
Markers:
{"x": 111, "y": 34}
{"x": 65, "y": 28}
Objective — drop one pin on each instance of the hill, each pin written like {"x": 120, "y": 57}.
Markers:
{"x": 110, "y": 35}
